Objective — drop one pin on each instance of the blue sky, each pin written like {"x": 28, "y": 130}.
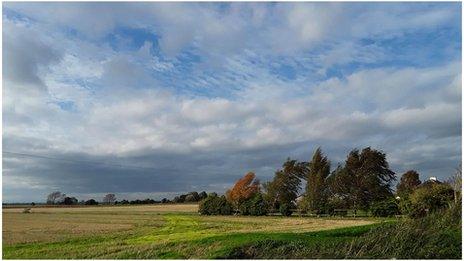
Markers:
{"x": 155, "y": 99}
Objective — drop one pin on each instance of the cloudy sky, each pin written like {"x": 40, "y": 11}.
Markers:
{"x": 155, "y": 99}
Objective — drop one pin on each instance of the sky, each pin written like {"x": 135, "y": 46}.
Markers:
{"x": 157, "y": 99}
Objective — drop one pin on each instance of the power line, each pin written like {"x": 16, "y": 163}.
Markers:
{"x": 75, "y": 161}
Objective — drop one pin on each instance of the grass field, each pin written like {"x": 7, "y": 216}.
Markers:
{"x": 155, "y": 231}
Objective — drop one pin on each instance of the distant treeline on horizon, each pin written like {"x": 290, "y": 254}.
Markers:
{"x": 59, "y": 198}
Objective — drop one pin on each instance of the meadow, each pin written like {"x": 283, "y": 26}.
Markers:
{"x": 162, "y": 231}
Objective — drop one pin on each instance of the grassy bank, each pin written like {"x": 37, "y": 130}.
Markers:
{"x": 437, "y": 236}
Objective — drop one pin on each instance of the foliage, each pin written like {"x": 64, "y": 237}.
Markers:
{"x": 91, "y": 202}
{"x": 430, "y": 198}
{"x": 244, "y": 208}
{"x": 284, "y": 187}
{"x": 55, "y": 197}
{"x": 302, "y": 205}
{"x": 386, "y": 208}
{"x": 192, "y": 197}
{"x": 202, "y": 195}
{"x": 455, "y": 182}
{"x": 256, "y": 206}
{"x": 405, "y": 205}
{"x": 244, "y": 189}
{"x": 109, "y": 199}
{"x": 437, "y": 236}
{"x": 365, "y": 178}
{"x": 286, "y": 209}
{"x": 214, "y": 205}
{"x": 316, "y": 187}
{"x": 335, "y": 202}
{"x": 408, "y": 182}
{"x": 69, "y": 201}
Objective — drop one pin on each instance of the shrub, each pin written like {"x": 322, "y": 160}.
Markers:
{"x": 302, "y": 206}
{"x": 245, "y": 207}
{"x": 286, "y": 209}
{"x": 214, "y": 205}
{"x": 256, "y": 206}
{"x": 386, "y": 208}
{"x": 69, "y": 201}
{"x": 91, "y": 202}
{"x": 436, "y": 236}
{"x": 405, "y": 205}
{"x": 202, "y": 195}
{"x": 430, "y": 198}
{"x": 191, "y": 198}
{"x": 225, "y": 207}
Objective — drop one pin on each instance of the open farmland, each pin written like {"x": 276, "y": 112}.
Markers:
{"x": 155, "y": 231}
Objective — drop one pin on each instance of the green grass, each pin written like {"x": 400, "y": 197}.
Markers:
{"x": 156, "y": 235}
{"x": 437, "y": 236}
{"x": 181, "y": 237}
{"x": 154, "y": 232}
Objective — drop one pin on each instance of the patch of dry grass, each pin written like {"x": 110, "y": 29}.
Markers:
{"x": 158, "y": 208}
{"x": 49, "y": 225}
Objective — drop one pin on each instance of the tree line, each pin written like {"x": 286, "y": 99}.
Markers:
{"x": 364, "y": 182}
{"x": 59, "y": 198}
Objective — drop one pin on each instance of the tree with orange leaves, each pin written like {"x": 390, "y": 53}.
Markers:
{"x": 244, "y": 189}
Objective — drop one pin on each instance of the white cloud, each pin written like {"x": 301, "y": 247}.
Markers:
{"x": 205, "y": 122}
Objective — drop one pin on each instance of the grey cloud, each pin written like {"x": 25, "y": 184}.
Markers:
{"x": 25, "y": 53}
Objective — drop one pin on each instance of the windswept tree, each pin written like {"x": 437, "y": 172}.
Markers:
{"x": 365, "y": 178}
{"x": 316, "y": 176}
{"x": 285, "y": 186}
{"x": 408, "y": 182}
{"x": 244, "y": 189}
{"x": 55, "y": 197}
{"x": 109, "y": 199}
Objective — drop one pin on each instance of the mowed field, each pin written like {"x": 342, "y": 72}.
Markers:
{"x": 155, "y": 231}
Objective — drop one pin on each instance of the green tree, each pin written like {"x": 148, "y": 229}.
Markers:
{"x": 255, "y": 206}
{"x": 215, "y": 205}
{"x": 342, "y": 187}
{"x": 316, "y": 187}
{"x": 408, "y": 182}
{"x": 430, "y": 198}
{"x": 284, "y": 187}
{"x": 365, "y": 178}
{"x": 55, "y": 197}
